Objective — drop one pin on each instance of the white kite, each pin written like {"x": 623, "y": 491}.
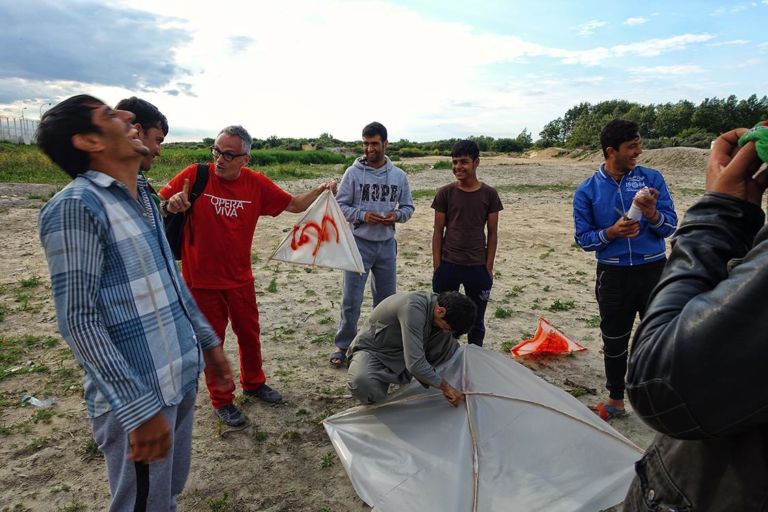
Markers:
{"x": 517, "y": 443}
{"x": 321, "y": 238}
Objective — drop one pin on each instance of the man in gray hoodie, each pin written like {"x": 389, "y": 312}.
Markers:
{"x": 373, "y": 195}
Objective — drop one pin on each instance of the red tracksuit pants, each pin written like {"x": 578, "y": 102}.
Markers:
{"x": 236, "y": 305}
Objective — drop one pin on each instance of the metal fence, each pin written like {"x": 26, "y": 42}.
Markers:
{"x": 18, "y": 130}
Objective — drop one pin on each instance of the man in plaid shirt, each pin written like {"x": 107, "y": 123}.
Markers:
{"x": 121, "y": 304}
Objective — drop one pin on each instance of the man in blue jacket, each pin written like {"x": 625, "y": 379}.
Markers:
{"x": 374, "y": 195}
{"x": 630, "y": 253}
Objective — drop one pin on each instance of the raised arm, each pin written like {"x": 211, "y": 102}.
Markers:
{"x": 692, "y": 371}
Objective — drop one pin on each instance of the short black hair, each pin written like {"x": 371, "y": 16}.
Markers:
{"x": 375, "y": 128}
{"x": 460, "y": 311}
{"x": 466, "y": 148}
{"x": 57, "y": 127}
{"x": 617, "y": 132}
{"x": 147, "y": 115}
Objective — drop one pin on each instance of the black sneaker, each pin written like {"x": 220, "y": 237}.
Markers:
{"x": 230, "y": 415}
{"x": 264, "y": 393}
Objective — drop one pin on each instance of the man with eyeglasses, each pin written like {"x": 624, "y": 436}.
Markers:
{"x": 216, "y": 253}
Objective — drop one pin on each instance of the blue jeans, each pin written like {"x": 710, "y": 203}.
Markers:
{"x": 380, "y": 259}
{"x": 477, "y": 284}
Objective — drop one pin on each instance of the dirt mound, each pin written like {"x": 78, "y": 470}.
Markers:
{"x": 675, "y": 158}
{"x": 548, "y": 153}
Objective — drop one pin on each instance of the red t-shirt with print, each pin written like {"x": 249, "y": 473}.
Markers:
{"x": 216, "y": 253}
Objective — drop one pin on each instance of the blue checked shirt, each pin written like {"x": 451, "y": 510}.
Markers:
{"x": 120, "y": 302}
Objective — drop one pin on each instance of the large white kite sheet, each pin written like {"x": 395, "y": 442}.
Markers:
{"x": 517, "y": 443}
{"x": 321, "y": 238}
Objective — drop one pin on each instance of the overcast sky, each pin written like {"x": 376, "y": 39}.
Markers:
{"x": 427, "y": 69}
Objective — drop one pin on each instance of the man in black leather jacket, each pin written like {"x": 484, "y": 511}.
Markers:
{"x": 698, "y": 364}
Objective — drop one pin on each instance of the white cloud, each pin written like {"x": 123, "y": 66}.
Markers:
{"x": 735, "y": 9}
{"x": 637, "y": 20}
{"x": 734, "y": 42}
{"x": 682, "y": 69}
{"x": 305, "y": 67}
{"x": 648, "y": 48}
{"x": 588, "y": 28}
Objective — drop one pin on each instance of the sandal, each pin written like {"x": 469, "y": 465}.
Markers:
{"x": 338, "y": 359}
{"x": 608, "y": 412}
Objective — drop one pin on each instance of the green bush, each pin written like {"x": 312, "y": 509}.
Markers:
{"x": 410, "y": 152}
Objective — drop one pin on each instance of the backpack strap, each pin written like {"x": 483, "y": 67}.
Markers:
{"x": 201, "y": 180}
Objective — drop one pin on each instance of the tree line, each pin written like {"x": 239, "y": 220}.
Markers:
{"x": 662, "y": 125}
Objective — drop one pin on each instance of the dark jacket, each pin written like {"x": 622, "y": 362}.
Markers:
{"x": 699, "y": 364}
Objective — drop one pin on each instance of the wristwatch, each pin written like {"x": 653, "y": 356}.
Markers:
{"x": 164, "y": 208}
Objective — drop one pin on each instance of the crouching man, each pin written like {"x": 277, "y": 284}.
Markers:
{"x": 408, "y": 335}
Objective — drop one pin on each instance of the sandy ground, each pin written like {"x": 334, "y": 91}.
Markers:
{"x": 283, "y": 461}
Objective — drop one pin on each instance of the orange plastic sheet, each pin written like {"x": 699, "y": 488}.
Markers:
{"x": 548, "y": 340}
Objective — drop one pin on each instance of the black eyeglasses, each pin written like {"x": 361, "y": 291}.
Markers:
{"x": 228, "y": 155}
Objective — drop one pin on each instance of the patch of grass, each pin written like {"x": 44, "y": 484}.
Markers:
{"x": 310, "y": 293}
{"x": 14, "y": 349}
{"x": 324, "y": 321}
{"x": 259, "y": 436}
{"x": 30, "y": 282}
{"x": 43, "y": 416}
{"x": 423, "y": 192}
{"x": 502, "y": 313}
{"x": 328, "y": 460}
{"x": 73, "y": 506}
{"x": 562, "y": 305}
{"x": 272, "y": 288}
{"x": 23, "y": 298}
{"x": 592, "y": 321}
{"x": 515, "y": 291}
{"x": 335, "y": 391}
{"x": 38, "y": 442}
{"x": 291, "y": 435}
{"x": 323, "y": 339}
{"x": 443, "y": 164}
{"x": 60, "y": 488}
{"x": 218, "y": 504}
{"x": 506, "y": 346}
{"x": 3, "y": 312}
{"x": 89, "y": 449}
{"x": 577, "y": 392}
{"x": 546, "y": 254}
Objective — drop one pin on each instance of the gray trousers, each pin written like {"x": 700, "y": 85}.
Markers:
{"x": 379, "y": 258}
{"x": 368, "y": 379}
{"x": 150, "y": 487}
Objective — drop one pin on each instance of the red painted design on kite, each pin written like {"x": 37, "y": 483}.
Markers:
{"x": 301, "y": 237}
